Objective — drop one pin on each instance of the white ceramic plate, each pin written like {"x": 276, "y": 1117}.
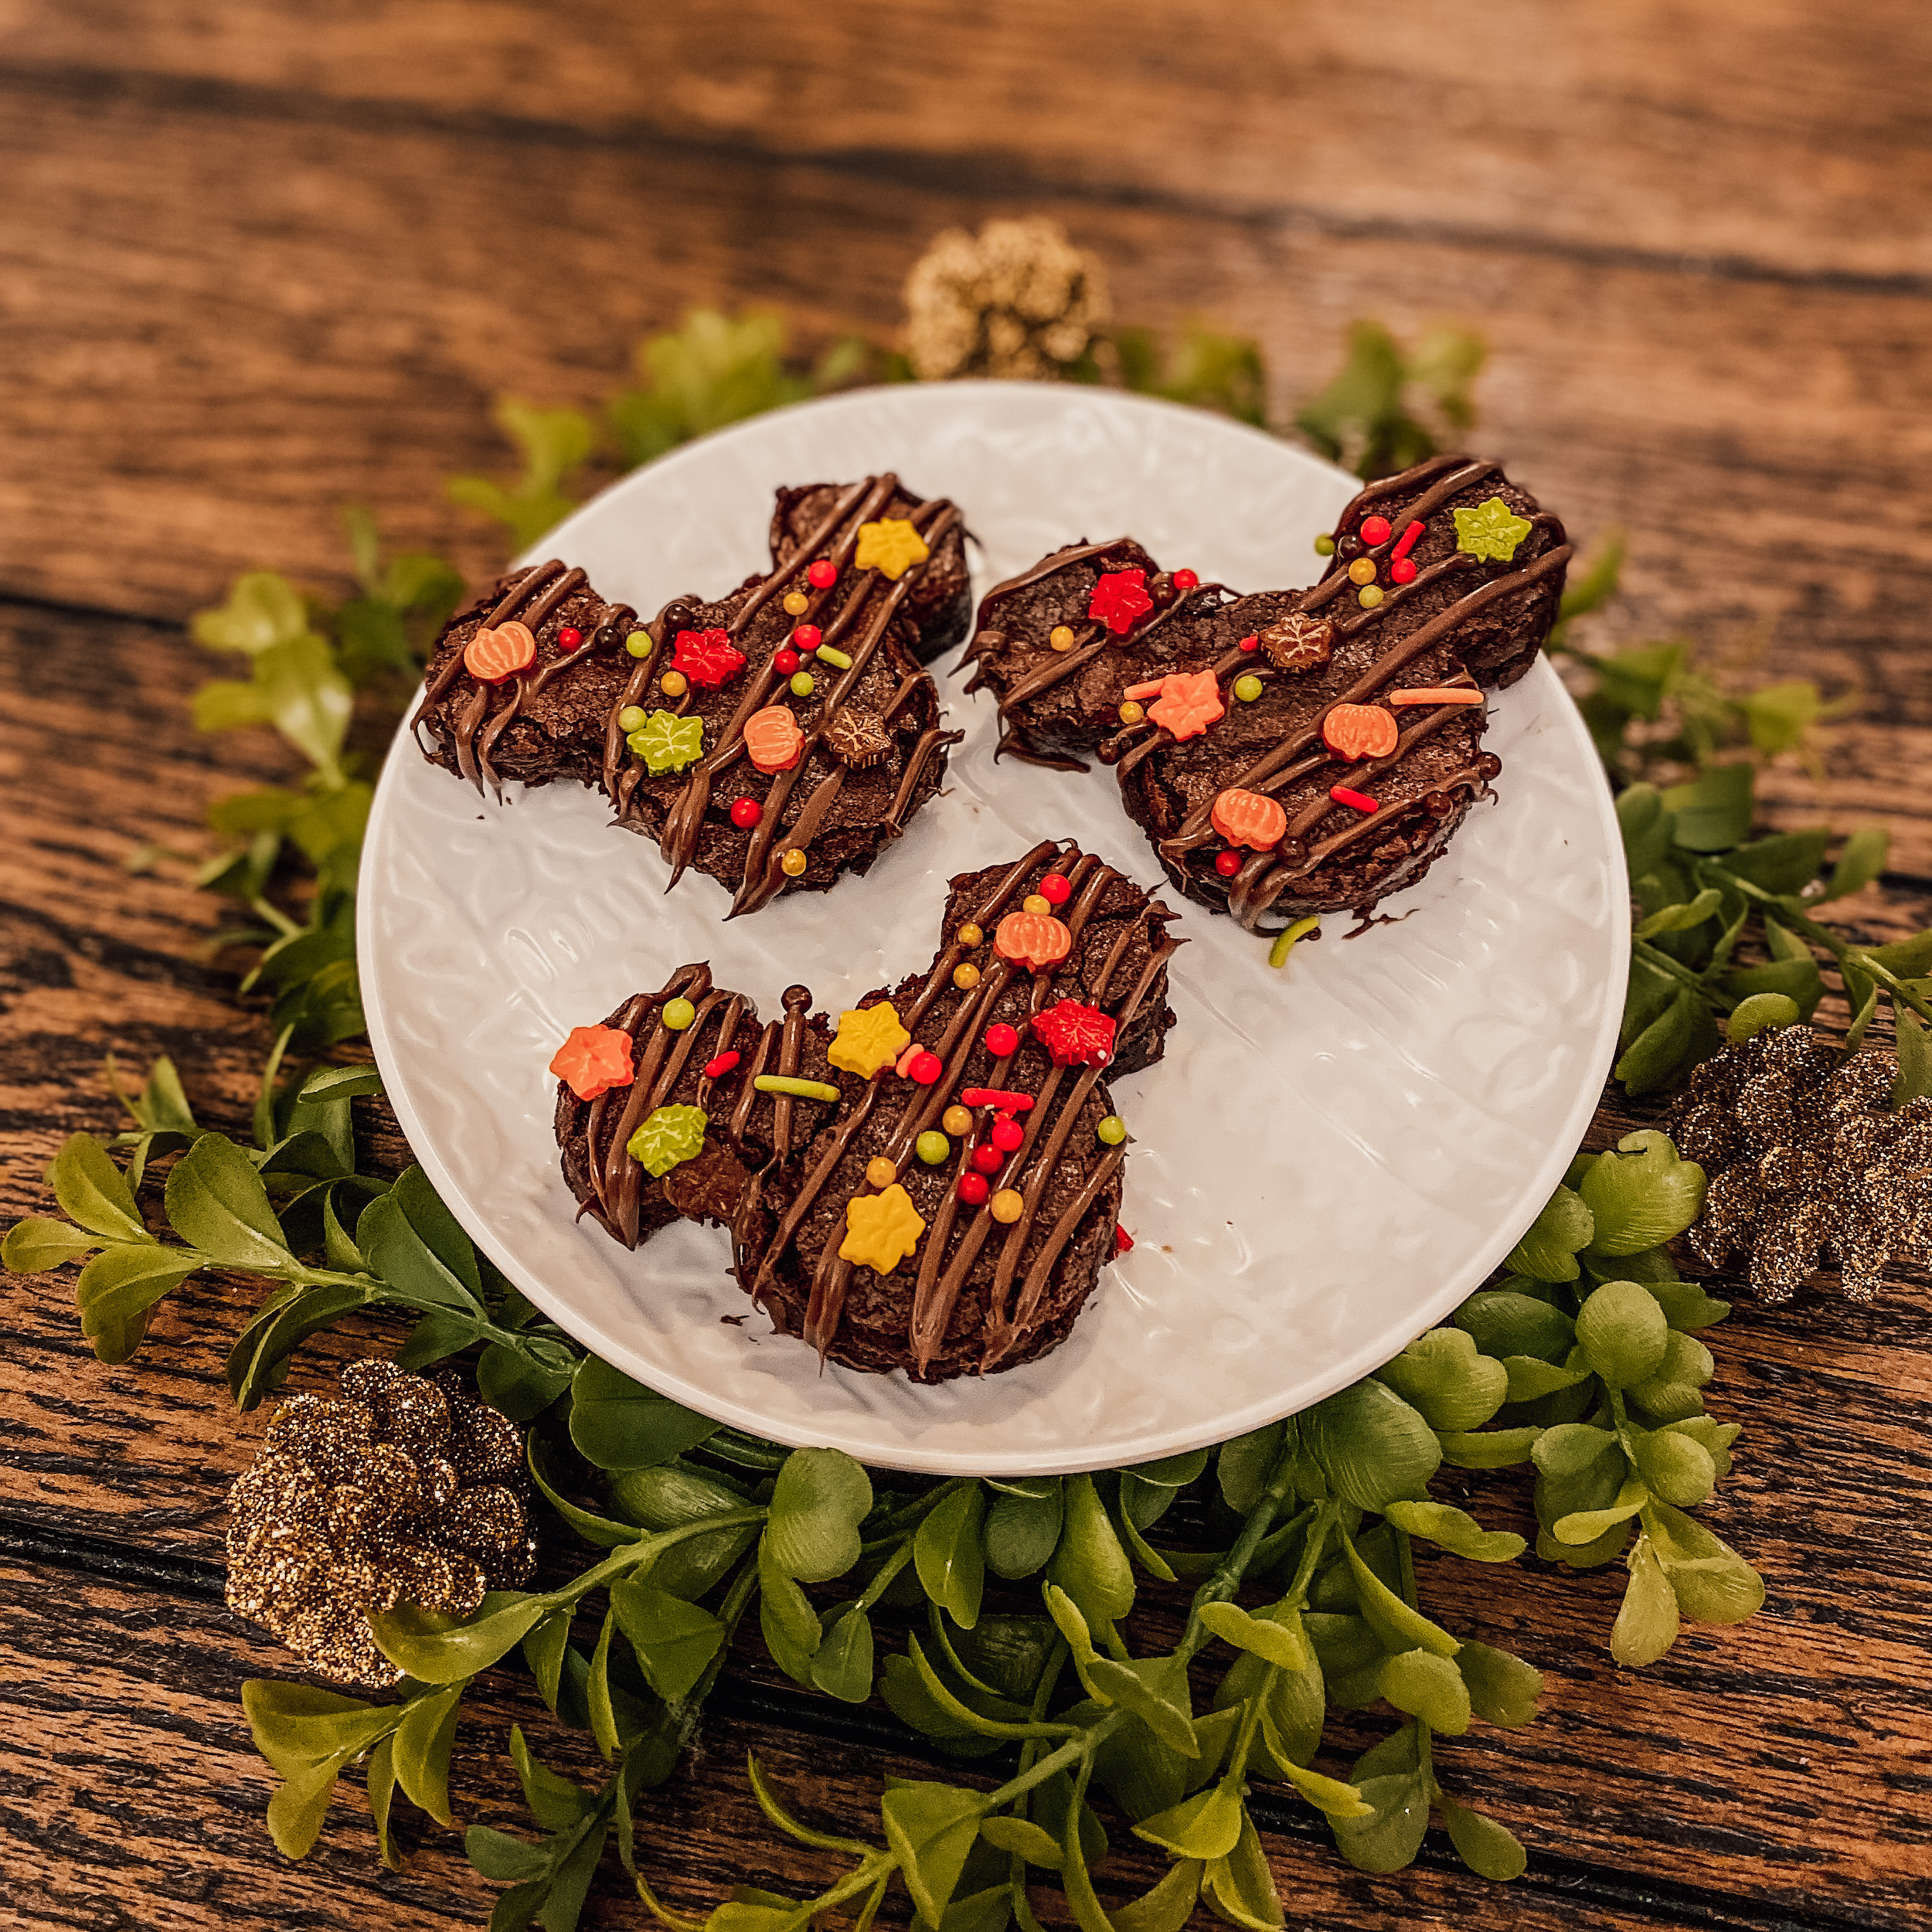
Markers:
{"x": 1328, "y": 1160}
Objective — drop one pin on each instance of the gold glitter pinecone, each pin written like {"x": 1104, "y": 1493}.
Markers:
{"x": 1018, "y": 299}
{"x": 406, "y": 1490}
{"x": 1806, "y": 1154}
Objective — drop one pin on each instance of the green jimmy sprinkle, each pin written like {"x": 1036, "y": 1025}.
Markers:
{"x": 805, "y": 1090}
{"x": 828, "y": 655}
{"x": 1278, "y": 953}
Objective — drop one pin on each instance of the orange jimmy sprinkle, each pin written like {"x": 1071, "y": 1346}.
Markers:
{"x": 1360, "y": 731}
{"x": 1437, "y": 694}
{"x": 1359, "y": 799}
{"x": 490, "y": 656}
{"x": 1189, "y": 702}
{"x": 593, "y": 1060}
{"x": 1036, "y": 941}
{"x": 1249, "y": 818}
{"x": 773, "y": 740}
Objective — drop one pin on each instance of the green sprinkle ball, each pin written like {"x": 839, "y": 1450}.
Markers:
{"x": 1368, "y": 596}
{"x": 932, "y": 1147}
{"x": 1248, "y": 688}
{"x": 631, "y": 718}
{"x": 1113, "y": 1130}
{"x": 801, "y": 684}
{"x": 1324, "y": 545}
{"x": 638, "y": 644}
{"x": 678, "y": 1014}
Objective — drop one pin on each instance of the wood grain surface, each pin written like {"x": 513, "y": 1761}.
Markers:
{"x": 262, "y": 260}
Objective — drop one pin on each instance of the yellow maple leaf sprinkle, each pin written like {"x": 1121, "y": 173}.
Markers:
{"x": 881, "y": 1230}
{"x": 891, "y": 546}
{"x": 869, "y": 1037}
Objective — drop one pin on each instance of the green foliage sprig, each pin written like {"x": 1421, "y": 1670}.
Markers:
{"x": 1367, "y": 418}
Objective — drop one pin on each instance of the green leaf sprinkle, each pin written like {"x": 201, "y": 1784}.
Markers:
{"x": 1491, "y": 530}
{"x": 667, "y": 743}
{"x": 668, "y": 1136}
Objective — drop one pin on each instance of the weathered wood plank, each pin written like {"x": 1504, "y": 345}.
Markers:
{"x": 1636, "y": 126}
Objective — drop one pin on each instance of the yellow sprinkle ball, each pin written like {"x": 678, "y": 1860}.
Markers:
{"x": 1034, "y": 903}
{"x": 673, "y": 683}
{"x": 1131, "y": 713}
{"x": 1006, "y": 1205}
{"x": 1061, "y": 637}
{"x": 796, "y": 603}
{"x": 965, "y": 976}
{"x": 881, "y": 1172}
{"x": 970, "y": 935}
{"x": 793, "y": 863}
{"x": 957, "y": 1121}
{"x": 1368, "y": 596}
{"x": 1362, "y": 570}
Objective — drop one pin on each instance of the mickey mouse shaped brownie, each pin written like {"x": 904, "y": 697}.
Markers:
{"x": 1291, "y": 752}
{"x": 930, "y": 1180}
{"x": 775, "y": 738}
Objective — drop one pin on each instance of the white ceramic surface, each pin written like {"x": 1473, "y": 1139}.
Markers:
{"x": 1327, "y": 1160}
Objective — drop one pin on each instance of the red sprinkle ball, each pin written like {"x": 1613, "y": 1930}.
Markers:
{"x": 1186, "y": 581}
{"x": 1375, "y": 529}
{"x": 1359, "y": 799}
{"x": 973, "y": 1188}
{"x": 716, "y": 1069}
{"x": 1007, "y": 1135}
{"x": 925, "y": 1067}
{"x": 807, "y": 637}
{"x": 1227, "y": 863}
{"x": 569, "y": 637}
{"x": 822, "y": 575}
{"x": 1249, "y": 644}
{"x": 986, "y": 1157}
{"x": 1055, "y": 889}
{"x": 1123, "y": 1241}
{"x": 784, "y": 662}
{"x": 1001, "y": 1040}
{"x": 745, "y": 813}
{"x": 1403, "y": 570}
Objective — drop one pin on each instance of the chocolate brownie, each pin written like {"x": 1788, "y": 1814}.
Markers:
{"x": 979, "y": 1083}
{"x": 803, "y": 690}
{"x": 1291, "y": 752}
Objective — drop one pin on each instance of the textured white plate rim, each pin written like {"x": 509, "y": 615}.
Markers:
{"x": 1426, "y": 1310}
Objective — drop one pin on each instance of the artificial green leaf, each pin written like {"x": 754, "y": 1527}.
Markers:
{"x": 1646, "y": 828}
{"x": 1169, "y": 1907}
{"x": 1455, "y": 1530}
{"x": 792, "y": 1632}
{"x": 1428, "y": 1687}
{"x": 1023, "y": 1839}
{"x": 1240, "y": 1887}
{"x": 1489, "y": 1448}
{"x": 1787, "y": 862}
{"x": 1642, "y": 1194}
{"x": 517, "y": 1383}
{"x": 1713, "y": 1584}
{"x": 948, "y": 1553}
{"x": 1678, "y": 919}
{"x": 1155, "y": 1689}
{"x": 296, "y": 1811}
{"x": 842, "y": 1665}
{"x": 1530, "y": 1378}
{"x": 1675, "y": 1468}
{"x": 1488, "y": 1850}
{"x": 1243, "y": 1466}
{"x": 1778, "y": 715}
{"x": 379, "y": 1779}
{"x": 93, "y": 1192}
{"x": 1646, "y": 1624}
{"x": 674, "y": 1640}
{"x": 1914, "y": 1046}
{"x": 216, "y": 1201}
{"x": 1860, "y": 861}
{"x": 930, "y": 1829}
{"x": 120, "y": 1284}
{"x": 617, "y": 1424}
{"x": 1686, "y": 1304}
{"x": 499, "y": 1857}
{"x": 1371, "y": 1445}
{"x": 35, "y": 1245}
{"x": 1328, "y": 1795}
{"x": 1504, "y": 1323}
{"x": 668, "y": 1496}
{"x": 544, "y": 1650}
{"x": 435, "y": 1649}
{"x": 1389, "y": 1836}
{"x": 1621, "y": 1330}
{"x": 821, "y": 1498}
{"x": 1274, "y": 1643}
{"x": 263, "y": 609}
{"x": 1204, "y": 1826}
{"x": 1758, "y": 1012}
{"x": 1503, "y": 1689}
{"x": 1714, "y": 812}
{"x": 422, "y": 1751}
{"x": 553, "y": 443}
{"x": 1089, "y": 1565}
{"x": 1399, "y": 1626}
{"x": 1583, "y": 1526}
{"x": 1023, "y": 1529}
{"x": 298, "y": 1724}
{"x": 1547, "y": 1252}
{"x": 1653, "y": 1058}
{"x": 1442, "y": 1376}
{"x": 1571, "y": 1448}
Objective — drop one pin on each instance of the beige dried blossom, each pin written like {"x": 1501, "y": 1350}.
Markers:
{"x": 1017, "y": 300}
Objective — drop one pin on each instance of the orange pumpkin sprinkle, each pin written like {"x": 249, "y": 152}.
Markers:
{"x": 1036, "y": 941}
{"x": 773, "y": 740}
{"x": 1249, "y": 818}
{"x": 1360, "y": 731}
{"x": 490, "y": 656}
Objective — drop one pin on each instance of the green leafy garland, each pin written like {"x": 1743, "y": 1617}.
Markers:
{"x": 1014, "y": 1598}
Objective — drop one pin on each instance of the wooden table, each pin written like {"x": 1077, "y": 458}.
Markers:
{"x": 262, "y": 259}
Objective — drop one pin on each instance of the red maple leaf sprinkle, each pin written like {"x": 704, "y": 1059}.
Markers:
{"x": 1123, "y": 1241}
{"x": 1119, "y": 597}
{"x": 1075, "y": 1034}
{"x": 594, "y": 1060}
{"x": 707, "y": 658}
